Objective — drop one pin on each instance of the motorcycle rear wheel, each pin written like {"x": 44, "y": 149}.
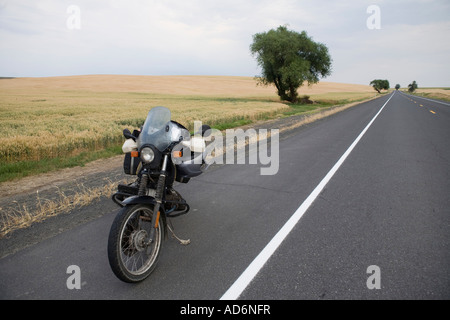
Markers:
{"x": 132, "y": 256}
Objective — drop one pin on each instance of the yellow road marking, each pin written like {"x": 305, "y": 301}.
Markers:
{"x": 432, "y": 112}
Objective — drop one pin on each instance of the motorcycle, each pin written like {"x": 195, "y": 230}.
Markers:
{"x": 162, "y": 152}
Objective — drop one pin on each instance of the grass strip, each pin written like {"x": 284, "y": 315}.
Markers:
{"x": 21, "y": 169}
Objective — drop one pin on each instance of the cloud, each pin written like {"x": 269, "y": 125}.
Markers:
{"x": 213, "y": 37}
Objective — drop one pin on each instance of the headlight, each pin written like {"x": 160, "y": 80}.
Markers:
{"x": 147, "y": 155}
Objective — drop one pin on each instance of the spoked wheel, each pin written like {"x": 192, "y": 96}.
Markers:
{"x": 132, "y": 254}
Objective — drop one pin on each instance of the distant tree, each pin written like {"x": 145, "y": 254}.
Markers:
{"x": 412, "y": 86}
{"x": 288, "y": 59}
{"x": 379, "y": 85}
{"x": 397, "y": 86}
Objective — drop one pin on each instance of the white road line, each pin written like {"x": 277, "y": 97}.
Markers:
{"x": 432, "y": 100}
{"x": 252, "y": 270}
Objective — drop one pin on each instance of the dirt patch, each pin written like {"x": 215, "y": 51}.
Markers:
{"x": 45, "y": 181}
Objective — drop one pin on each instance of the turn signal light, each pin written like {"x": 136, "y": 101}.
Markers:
{"x": 177, "y": 154}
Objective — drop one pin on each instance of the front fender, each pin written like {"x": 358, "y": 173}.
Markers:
{"x": 139, "y": 200}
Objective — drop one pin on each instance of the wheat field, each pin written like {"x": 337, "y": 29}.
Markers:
{"x": 62, "y": 116}
{"x": 436, "y": 93}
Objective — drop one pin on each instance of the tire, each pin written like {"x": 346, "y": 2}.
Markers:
{"x": 131, "y": 257}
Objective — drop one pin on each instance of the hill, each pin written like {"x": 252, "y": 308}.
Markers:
{"x": 179, "y": 85}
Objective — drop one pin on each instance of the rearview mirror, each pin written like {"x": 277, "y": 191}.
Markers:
{"x": 205, "y": 130}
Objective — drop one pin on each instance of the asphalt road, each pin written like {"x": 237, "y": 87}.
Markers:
{"x": 387, "y": 205}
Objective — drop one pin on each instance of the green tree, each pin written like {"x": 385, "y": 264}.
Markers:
{"x": 288, "y": 59}
{"x": 379, "y": 85}
{"x": 412, "y": 86}
{"x": 397, "y": 86}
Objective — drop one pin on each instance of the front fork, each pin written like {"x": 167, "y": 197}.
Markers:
{"x": 158, "y": 196}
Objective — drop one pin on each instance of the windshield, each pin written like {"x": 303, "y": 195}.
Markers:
{"x": 156, "y": 120}
{"x": 159, "y": 131}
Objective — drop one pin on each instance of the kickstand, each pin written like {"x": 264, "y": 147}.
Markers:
{"x": 183, "y": 242}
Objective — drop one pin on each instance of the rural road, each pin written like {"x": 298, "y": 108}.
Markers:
{"x": 387, "y": 205}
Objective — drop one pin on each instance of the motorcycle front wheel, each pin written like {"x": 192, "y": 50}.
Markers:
{"x": 132, "y": 254}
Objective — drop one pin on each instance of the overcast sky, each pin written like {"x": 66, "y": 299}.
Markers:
{"x": 406, "y": 40}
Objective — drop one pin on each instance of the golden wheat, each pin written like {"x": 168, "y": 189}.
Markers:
{"x": 63, "y": 116}
{"x": 33, "y": 128}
